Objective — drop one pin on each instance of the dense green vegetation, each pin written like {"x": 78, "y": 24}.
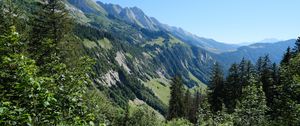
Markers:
{"x": 51, "y": 71}
{"x": 264, "y": 94}
{"x": 47, "y": 73}
{"x": 260, "y": 94}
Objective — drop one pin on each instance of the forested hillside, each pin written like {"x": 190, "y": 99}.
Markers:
{"x": 74, "y": 62}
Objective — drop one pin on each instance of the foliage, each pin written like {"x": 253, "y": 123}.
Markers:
{"x": 179, "y": 122}
{"x": 176, "y": 105}
{"x": 252, "y": 108}
{"x": 48, "y": 90}
{"x": 231, "y": 88}
{"x": 287, "y": 101}
{"x": 46, "y": 77}
{"x": 143, "y": 117}
{"x": 216, "y": 88}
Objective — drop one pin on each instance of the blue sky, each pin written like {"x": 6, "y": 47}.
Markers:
{"x": 230, "y": 21}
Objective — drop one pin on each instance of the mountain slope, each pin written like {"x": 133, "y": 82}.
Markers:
{"x": 88, "y": 6}
{"x": 129, "y": 57}
{"x": 136, "y": 56}
{"x": 136, "y": 16}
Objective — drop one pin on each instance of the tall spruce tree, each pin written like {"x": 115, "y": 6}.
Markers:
{"x": 50, "y": 25}
{"x": 266, "y": 77}
{"x": 245, "y": 72}
{"x": 195, "y": 107}
{"x": 48, "y": 44}
{"x": 275, "y": 75}
{"x": 242, "y": 73}
{"x": 238, "y": 77}
{"x": 216, "y": 86}
{"x": 188, "y": 104}
{"x": 297, "y": 46}
{"x": 286, "y": 57}
{"x": 287, "y": 102}
{"x": 231, "y": 88}
{"x": 176, "y": 105}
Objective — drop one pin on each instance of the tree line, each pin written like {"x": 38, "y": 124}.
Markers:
{"x": 251, "y": 94}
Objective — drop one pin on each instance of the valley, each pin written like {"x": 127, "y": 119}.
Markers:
{"x": 86, "y": 62}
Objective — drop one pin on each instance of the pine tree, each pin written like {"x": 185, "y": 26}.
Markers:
{"x": 232, "y": 88}
{"x": 258, "y": 64}
{"x": 188, "y": 103}
{"x": 275, "y": 74}
{"x": 245, "y": 72}
{"x": 242, "y": 73}
{"x": 50, "y": 32}
{"x": 195, "y": 107}
{"x": 266, "y": 77}
{"x": 252, "y": 107}
{"x": 50, "y": 25}
{"x": 287, "y": 56}
{"x": 9, "y": 15}
{"x": 176, "y": 105}
{"x": 287, "y": 102}
{"x": 216, "y": 86}
{"x": 297, "y": 47}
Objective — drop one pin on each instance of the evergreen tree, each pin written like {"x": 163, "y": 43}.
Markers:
{"x": 287, "y": 56}
{"x": 245, "y": 72}
{"x": 242, "y": 73}
{"x": 188, "y": 103}
{"x": 266, "y": 77}
{"x": 297, "y": 47}
{"x": 216, "y": 86}
{"x": 50, "y": 25}
{"x": 252, "y": 108}
{"x": 258, "y": 64}
{"x": 275, "y": 75}
{"x": 176, "y": 105}
{"x": 9, "y": 15}
{"x": 195, "y": 107}
{"x": 231, "y": 88}
{"x": 287, "y": 102}
{"x": 50, "y": 32}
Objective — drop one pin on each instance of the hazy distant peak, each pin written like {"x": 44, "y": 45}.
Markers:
{"x": 269, "y": 40}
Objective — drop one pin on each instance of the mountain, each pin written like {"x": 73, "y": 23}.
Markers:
{"x": 205, "y": 43}
{"x": 136, "y": 16}
{"x": 136, "y": 55}
{"x": 88, "y": 6}
{"x": 137, "y": 29}
{"x": 218, "y": 50}
{"x": 134, "y": 58}
{"x": 269, "y": 40}
{"x": 275, "y": 50}
{"x": 132, "y": 15}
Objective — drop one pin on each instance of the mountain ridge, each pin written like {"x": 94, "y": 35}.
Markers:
{"x": 152, "y": 23}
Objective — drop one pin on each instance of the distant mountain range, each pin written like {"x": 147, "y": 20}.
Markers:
{"x": 252, "y": 52}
